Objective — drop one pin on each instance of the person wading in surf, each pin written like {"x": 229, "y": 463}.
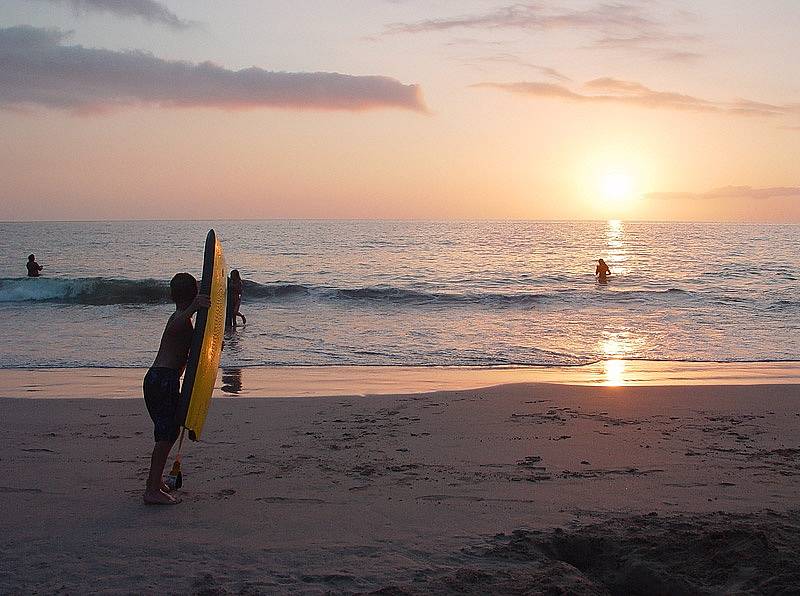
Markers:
{"x": 602, "y": 271}
{"x": 33, "y": 267}
{"x": 234, "y": 299}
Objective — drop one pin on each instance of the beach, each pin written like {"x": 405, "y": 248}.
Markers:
{"x": 516, "y": 488}
{"x": 411, "y": 408}
{"x": 484, "y": 298}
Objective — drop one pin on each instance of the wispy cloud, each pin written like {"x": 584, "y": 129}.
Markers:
{"x": 661, "y": 45}
{"x": 610, "y": 90}
{"x": 515, "y": 60}
{"x": 474, "y": 42}
{"x": 618, "y": 25}
{"x": 732, "y": 192}
{"x": 149, "y": 10}
{"x": 538, "y": 15}
{"x": 37, "y": 69}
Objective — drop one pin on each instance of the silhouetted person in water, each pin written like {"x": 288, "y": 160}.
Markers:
{"x": 602, "y": 271}
{"x": 234, "y": 299}
{"x": 33, "y": 267}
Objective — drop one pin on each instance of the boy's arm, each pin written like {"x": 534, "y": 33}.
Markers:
{"x": 200, "y": 301}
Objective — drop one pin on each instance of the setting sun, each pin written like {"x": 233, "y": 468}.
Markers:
{"x": 616, "y": 186}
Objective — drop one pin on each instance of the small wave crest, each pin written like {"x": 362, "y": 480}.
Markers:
{"x": 407, "y": 296}
{"x": 90, "y": 291}
{"x": 782, "y": 305}
{"x": 253, "y": 290}
{"x": 624, "y": 295}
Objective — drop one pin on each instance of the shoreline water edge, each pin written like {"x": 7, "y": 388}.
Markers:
{"x": 324, "y": 381}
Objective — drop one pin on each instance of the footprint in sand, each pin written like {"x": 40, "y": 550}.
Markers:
{"x": 289, "y": 500}
{"x": 224, "y": 493}
{"x": 11, "y": 489}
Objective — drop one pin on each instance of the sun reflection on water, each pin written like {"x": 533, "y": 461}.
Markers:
{"x": 614, "y": 348}
{"x": 617, "y": 255}
{"x": 611, "y": 347}
{"x": 616, "y": 345}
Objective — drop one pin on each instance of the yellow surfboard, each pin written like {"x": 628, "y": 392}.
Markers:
{"x": 206, "y": 349}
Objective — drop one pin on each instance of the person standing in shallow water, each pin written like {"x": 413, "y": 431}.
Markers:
{"x": 234, "y": 299}
{"x": 33, "y": 267}
{"x": 602, "y": 271}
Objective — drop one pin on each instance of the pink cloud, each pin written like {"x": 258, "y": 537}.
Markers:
{"x": 732, "y": 192}
{"x": 505, "y": 58}
{"x": 610, "y": 90}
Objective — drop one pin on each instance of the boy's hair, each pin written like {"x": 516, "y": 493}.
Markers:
{"x": 31, "y": 258}
{"x": 183, "y": 288}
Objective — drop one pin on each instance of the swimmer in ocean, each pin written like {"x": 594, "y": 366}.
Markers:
{"x": 34, "y": 268}
{"x": 602, "y": 271}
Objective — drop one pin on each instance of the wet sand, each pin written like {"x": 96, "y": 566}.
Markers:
{"x": 572, "y": 489}
{"x": 322, "y": 381}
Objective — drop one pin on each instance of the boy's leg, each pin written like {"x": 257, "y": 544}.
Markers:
{"x": 161, "y": 394}
{"x": 153, "y": 492}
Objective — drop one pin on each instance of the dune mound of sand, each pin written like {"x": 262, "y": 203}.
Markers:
{"x": 652, "y": 555}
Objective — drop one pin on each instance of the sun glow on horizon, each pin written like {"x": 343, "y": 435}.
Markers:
{"x": 617, "y": 186}
{"x": 612, "y": 179}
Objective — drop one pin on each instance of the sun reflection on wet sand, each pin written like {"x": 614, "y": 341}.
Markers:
{"x": 319, "y": 381}
{"x": 615, "y": 373}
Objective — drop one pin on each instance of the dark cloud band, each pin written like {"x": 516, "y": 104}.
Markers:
{"x": 149, "y": 10}
{"x": 38, "y": 70}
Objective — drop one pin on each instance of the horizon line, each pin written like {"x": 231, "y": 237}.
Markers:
{"x": 405, "y": 220}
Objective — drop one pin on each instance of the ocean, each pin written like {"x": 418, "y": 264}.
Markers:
{"x": 402, "y": 293}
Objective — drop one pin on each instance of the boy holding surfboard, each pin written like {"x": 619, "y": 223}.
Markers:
{"x": 161, "y": 385}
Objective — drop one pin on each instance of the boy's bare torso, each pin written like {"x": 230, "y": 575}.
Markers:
{"x": 175, "y": 343}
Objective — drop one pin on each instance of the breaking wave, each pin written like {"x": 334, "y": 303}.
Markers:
{"x": 105, "y": 291}
{"x": 89, "y": 291}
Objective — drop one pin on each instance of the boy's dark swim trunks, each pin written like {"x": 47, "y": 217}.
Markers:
{"x": 162, "y": 390}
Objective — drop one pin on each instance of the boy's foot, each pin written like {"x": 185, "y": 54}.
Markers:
{"x": 159, "y": 498}
{"x": 165, "y": 488}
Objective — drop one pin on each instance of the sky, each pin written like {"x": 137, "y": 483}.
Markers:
{"x": 406, "y": 109}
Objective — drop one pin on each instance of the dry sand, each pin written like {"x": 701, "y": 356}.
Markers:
{"x": 520, "y": 488}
